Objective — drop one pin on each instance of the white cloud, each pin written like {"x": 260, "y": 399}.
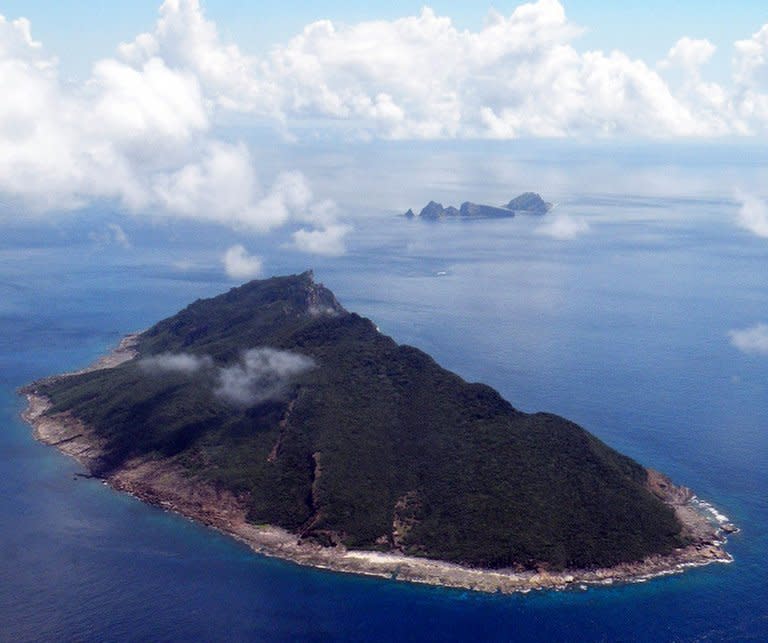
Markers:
{"x": 240, "y": 265}
{"x": 689, "y": 54}
{"x": 143, "y": 129}
{"x": 751, "y": 60}
{"x": 139, "y": 131}
{"x": 753, "y": 340}
{"x": 187, "y": 40}
{"x": 262, "y": 374}
{"x": 16, "y": 41}
{"x": 219, "y": 185}
{"x": 422, "y": 77}
{"x": 323, "y": 241}
{"x": 753, "y": 215}
{"x": 147, "y": 103}
{"x": 563, "y": 227}
{"x": 63, "y": 145}
{"x": 184, "y": 363}
{"x": 750, "y": 72}
{"x": 290, "y": 197}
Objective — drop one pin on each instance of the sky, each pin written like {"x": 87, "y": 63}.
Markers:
{"x": 86, "y": 30}
{"x": 152, "y": 106}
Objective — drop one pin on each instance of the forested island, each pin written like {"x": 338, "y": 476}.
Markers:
{"x": 272, "y": 413}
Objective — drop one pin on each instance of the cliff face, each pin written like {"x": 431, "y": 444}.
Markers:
{"x": 320, "y": 424}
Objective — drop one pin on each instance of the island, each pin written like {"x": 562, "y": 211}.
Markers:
{"x": 527, "y": 203}
{"x": 273, "y": 414}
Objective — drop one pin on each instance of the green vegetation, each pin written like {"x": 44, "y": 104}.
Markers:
{"x": 377, "y": 446}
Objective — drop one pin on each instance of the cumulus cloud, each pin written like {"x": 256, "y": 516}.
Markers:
{"x": 185, "y": 38}
{"x": 140, "y": 130}
{"x": 62, "y": 145}
{"x": 240, "y": 265}
{"x": 323, "y": 241}
{"x": 753, "y": 340}
{"x": 563, "y": 227}
{"x": 689, "y": 54}
{"x": 184, "y": 363}
{"x": 262, "y": 374}
{"x": 750, "y": 73}
{"x": 219, "y": 185}
{"x": 753, "y": 215}
{"x": 750, "y": 61}
{"x": 153, "y": 102}
{"x": 518, "y": 76}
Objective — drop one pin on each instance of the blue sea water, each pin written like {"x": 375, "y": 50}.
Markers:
{"x": 623, "y": 329}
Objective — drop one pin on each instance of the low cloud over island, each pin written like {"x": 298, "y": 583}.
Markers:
{"x": 260, "y": 374}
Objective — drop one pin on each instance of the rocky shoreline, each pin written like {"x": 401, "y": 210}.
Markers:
{"x": 166, "y": 484}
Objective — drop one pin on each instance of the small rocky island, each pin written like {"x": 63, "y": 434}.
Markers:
{"x": 273, "y": 414}
{"x": 527, "y": 203}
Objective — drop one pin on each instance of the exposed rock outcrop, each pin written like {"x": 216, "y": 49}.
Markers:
{"x": 527, "y": 203}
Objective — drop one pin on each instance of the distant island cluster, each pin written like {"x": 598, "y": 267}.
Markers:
{"x": 526, "y": 203}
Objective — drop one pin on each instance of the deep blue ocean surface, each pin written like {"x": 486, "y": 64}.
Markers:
{"x": 623, "y": 329}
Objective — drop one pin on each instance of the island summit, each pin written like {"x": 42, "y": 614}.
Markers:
{"x": 272, "y": 413}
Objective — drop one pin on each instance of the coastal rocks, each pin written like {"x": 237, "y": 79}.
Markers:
{"x": 163, "y": 483}
{"x": 432, "y": 210}
{"x": 662, "y": 487}
{"x": 526, "y": 203}
{"x": 64, "y": 431}
{"x": 530, "y": 203}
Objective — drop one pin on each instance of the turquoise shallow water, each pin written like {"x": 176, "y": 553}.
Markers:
{"x": 624, "y": 330}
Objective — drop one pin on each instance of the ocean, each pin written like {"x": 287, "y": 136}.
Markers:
{"x": 621, "y": 322}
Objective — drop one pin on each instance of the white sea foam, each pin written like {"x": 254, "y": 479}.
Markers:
{"x": 720, "y": 518}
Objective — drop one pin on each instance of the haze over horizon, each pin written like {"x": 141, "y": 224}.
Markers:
{"x": 179, "y": 118}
